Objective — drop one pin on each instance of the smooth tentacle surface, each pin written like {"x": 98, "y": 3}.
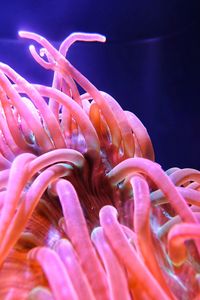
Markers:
{"x": 85, "y": 211}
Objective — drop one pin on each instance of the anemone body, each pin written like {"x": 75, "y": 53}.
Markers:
{"x": 85, "y": 211}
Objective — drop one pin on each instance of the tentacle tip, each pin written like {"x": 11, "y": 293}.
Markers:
{"x": 95, "y": 232}
{"x": 42, "y": 52}
{"x": 103, "y": 38}
{"x": 31, "y": 255}
{"x": 31, "y": 47}
{"x": 107, "y": 213}
{"x": 21, "y": 33}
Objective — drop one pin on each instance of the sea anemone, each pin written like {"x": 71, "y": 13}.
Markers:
{"x": 85, "y": 211}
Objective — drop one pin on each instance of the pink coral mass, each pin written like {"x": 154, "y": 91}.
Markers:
{"x": 85, "y": 212}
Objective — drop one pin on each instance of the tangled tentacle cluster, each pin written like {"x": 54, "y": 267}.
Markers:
{"x": 85, "y": 212}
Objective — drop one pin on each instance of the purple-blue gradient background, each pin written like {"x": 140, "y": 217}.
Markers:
{"x": 150, "y": 63}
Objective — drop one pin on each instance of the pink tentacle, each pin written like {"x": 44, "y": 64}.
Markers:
{"x": 190, "y": 195}
{"x": 80, "y": 37}
{"x": 13, "y": 149}
{"x": 79, "y": 280}
{"x": 184, "y": 176}
{"x": 4, "y": 175}
{"x": 5, "y": 149}
{"x": 57, "y": 80}
{"x": 80, "y": 239}
{"x": 141, "y": 136}
{"x": 48, "y": 116}
{"x": 64, "y": 47}
{"x": 68, "y": 69}
{"x": 142, "y": 229}
{"x": 142, "y": 281}
{"x": 27, "y": 206}
{"x": 17, "y": 179}
{"x": 117, "y": 279}
{"x": 40, "y": 293}
{"x": 81, "y": 118}
{"x": 56, "y": 156}
{"x": 177, "y": 236}
{"x": 154, "y": 171}
{"x": 58, "y": 278}
{"x": 41, "y": 136}
{"x": 12, "y": 125}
